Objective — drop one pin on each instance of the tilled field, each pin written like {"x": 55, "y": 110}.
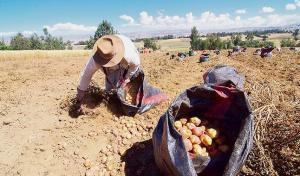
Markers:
{"x": 38, "y": 137}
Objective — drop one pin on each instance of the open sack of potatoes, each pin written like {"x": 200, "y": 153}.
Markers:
{"x": 207, "y": 130}
{"x": 138, "y": 96}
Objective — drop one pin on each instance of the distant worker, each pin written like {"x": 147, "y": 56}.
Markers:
{"x": 117, "y": 57}
{"x": 266, "y": 52}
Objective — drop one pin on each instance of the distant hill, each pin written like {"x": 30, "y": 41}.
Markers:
{"x": 186, "y": 32}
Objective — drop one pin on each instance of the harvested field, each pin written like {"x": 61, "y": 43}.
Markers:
{"x": 38, "y": 137}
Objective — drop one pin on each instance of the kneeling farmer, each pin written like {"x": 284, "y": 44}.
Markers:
{"x": 117, "y": 57}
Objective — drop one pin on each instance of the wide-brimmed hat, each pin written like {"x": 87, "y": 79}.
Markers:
{"x": 108, "y": 50}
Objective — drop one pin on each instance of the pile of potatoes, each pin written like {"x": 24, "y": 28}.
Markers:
{"x": 131, "y": 93}
{"x": 200, "y": 140}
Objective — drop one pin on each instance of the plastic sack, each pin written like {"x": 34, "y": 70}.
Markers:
{"x": 219, "y": 99}
{"x": 146, "y": 96}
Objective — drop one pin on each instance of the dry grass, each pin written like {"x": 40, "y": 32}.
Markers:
{"x": 182, "y": 44}
{"x": 42, "y": 54}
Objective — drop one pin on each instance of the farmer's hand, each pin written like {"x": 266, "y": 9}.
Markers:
{"x": 75, "y": 109}
{"x": 80, "y": 94}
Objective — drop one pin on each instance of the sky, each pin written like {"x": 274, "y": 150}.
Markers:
{"x": 80, "y": 18}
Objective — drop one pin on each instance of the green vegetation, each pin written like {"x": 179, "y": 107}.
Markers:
{"x": 3, "y": 46}
{"x": 289, "y": 43}
{"x": 149, "y": 43}
{"x": 35, "y": 42}
{"x": 295, "y": 34}
{"x": 213, "y": 41}
{"x": 104, "y": 28}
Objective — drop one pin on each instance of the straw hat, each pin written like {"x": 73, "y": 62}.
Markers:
{"x": 108, "y": 50}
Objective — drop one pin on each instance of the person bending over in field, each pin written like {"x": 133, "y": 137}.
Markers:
{"x": 117, "y": 57}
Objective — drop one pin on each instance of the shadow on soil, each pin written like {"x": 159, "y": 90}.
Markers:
{"x": 140, "y": 161}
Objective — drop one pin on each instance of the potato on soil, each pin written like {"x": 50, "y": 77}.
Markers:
{"x": 188, "y": 145}
{"x": 195, "y": 120}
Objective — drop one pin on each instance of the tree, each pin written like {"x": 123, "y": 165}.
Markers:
{"x": 236, "y": 39}
{"x": 19, "y": 42}
{"x": 104, "y": 28}
{"x": 287, "y": 43}
{"x": 35, "y": 42}
{"x": 3, "y": 46}
{"x": 194, "y": 38}
{"x": 295, "y": 34}
{"x": 264, "y": 38}
{"x": 149, "y": 43}
{"x": 250, "y": 37}
{"x": 69, "y": 45}
{"x": 52, "y": 43}
{"x": 214, "y": 42}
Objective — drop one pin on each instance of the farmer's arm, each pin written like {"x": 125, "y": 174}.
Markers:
{"x": 133, "y": 60}
{"x": 86, "y": 75}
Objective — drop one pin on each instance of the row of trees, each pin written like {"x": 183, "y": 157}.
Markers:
{"x": 150, "y": 43}
{"x": 35, "y": 42}
{"x": 289, "y": 43}
{"x": 106, "y": 28}
{"x": 213, "y": 41}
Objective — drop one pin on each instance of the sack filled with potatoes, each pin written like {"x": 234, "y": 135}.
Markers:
{"x": 199, "y": 138}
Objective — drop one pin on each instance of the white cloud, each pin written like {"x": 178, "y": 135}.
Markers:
{"x": 10, "y": 34}
{"x": 293, "y": 6}
{"x": 128, "y": 19}
{"x": 290, "y": 7}
{"x": 145, "y": 19}
{"x": 267, "y": 10}
{"x": 211, "y": 21}
{"x": 297, "y": 3}
{"x": 70, "y": 27}
{"x": 240, "y": 11}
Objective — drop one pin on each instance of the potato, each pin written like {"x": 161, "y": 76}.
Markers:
{"x": 198, "y": 150}
{"x": 178, "y": 124}
{"x": 183, "y": 121}
{"x": 195, "y": 139}
{"x": 206, "y": 140}
{"x": 195, "y": 120}
{"x": 197, "y": 131}
{"x": 190, "y": 126}
{"x": 212, "y": 133}
{"x": 188, "y": 145}
{"x": 186, "y": 133}
{"x": 204, "y": 153}
{"x": 202, "y": 128}
{"x": 224, "y": 148}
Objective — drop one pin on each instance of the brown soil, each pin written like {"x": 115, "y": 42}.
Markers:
{"x": 38, "y": 136}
